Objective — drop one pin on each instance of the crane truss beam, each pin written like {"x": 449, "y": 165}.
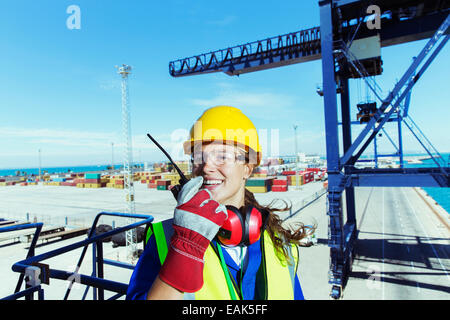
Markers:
{"x": 402, "y": 21}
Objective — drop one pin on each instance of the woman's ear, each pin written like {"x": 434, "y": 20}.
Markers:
{"x": 248, "y": 169}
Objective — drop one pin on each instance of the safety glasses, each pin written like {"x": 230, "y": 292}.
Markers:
{"x": 217, "y": 157}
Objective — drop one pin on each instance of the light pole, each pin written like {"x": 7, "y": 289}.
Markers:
{"x": 131, "y": 239}
{"x": 112, "y": 155}
{"x": 296, "y": 157}
{"x": 295, "y": 139}
{"x": 39, "y": 152}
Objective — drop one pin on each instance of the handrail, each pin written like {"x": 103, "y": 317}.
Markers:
{"x": 31, "y": 251}
{"x": 26, "y": 293}
{"x": 91, "y": 233}
{"x": 104, "y": 284}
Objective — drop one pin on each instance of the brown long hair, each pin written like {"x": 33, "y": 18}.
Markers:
{"x": 281, "y": 236}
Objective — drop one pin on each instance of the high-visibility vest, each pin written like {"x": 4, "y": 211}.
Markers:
{"x": 278, "y": 274}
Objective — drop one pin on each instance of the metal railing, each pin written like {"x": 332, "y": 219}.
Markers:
{"x": 307, "y": 202}
{"x": 39, "y": 273}
{"x": 31, "y": 248}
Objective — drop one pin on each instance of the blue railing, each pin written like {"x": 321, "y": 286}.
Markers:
{"x": 27, "y": 293}
{"x": 31, "y": 251}
{"x": 95, "y": 280}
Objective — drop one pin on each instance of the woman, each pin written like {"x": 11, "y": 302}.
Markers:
{"x": 223, "y": 243}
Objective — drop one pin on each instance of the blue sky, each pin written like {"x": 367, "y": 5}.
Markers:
{"x": 60, "y": 92}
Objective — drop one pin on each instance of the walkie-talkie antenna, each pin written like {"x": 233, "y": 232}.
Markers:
{"x": 183, "y": 179}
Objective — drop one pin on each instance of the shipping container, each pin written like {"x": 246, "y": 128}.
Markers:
{"x": 256, "y": 182}
{"x": 97, "y": 185}
{"x": 68, "y": 184}
{"x": 92, "y": 176}
{"x": 279, "y": 182}
{"x": 92, "y": 180}
{"x": 256, "y": 189}
{"x": 279, "y": 188}
{"x": 163, "y": 182}
{"x": 259, "y": 182}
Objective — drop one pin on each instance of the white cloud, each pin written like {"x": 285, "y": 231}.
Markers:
{"x": 65, "y": 141}
{"x": 246, "y": 99}
{"x": 307, "y": 141}
{"x": 56, "y": 134}
{"x": 19, "y": 146}
{"x": 26, "y": 141}
{"x": 227, "y": 20}
{"x": 259, "y": 104}
{"x": 110, "y": 85}
{"x": 172, "y": 142}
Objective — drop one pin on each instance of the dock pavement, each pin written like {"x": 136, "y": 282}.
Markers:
{"x": 402, "y": 251}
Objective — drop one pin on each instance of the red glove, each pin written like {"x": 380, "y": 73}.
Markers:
{"x": 197, "y": 220}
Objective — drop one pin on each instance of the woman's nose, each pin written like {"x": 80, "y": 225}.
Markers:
{"x": 209, "y": 165}
{"x": 204, "y": 168}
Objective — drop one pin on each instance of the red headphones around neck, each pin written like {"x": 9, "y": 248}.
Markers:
{"x": 242, "y": 227}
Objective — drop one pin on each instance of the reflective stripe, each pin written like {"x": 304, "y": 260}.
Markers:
{"x": 279, "y": 272}
{"x": 214, "y": 282}
{"x": 293, "y": 267}
{"x": 149, "y": 234}
{"x": 228, "y": 277}
{"x": 280, "y": 283}
{"x": 215, "y": 287}
{"x": 161, "y": 243}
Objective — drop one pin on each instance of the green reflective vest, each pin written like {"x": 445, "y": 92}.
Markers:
{"x": 278, "y": 274}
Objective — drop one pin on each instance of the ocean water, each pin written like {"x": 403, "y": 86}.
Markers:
{"x": 55, "y": 170}
{"x": 51, "y": 170}
{"x": 440, "y": 195}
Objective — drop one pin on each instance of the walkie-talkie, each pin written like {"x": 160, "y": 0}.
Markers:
{"x": 183, "y": 180}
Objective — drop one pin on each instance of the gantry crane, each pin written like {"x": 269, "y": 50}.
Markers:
{"x": 344, "y": 25}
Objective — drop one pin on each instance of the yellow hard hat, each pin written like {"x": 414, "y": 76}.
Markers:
{"x": 227, "y": 124}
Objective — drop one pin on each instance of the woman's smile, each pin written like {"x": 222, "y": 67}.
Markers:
{"x": 212, "y": 184}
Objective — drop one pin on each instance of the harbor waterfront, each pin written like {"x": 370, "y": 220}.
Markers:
{"x": 400, "y": 252}
{"x": 440, "y": 195}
